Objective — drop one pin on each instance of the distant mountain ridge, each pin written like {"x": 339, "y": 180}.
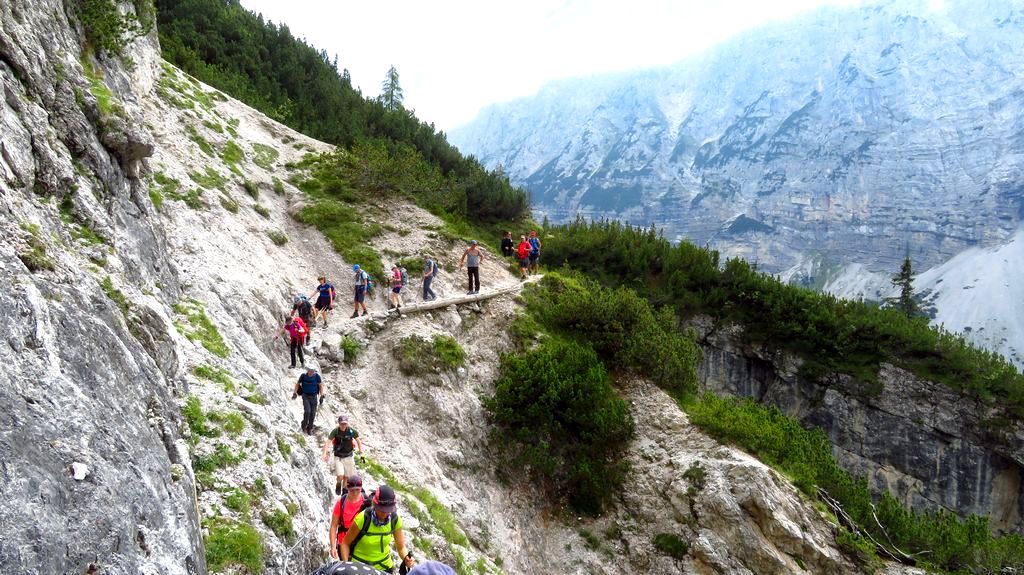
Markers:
{"x": 846, "y": 136}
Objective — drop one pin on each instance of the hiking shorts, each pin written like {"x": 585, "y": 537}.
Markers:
{"x": 397, "y": 289}
{"x": 360, "y": 294}
{"x": 322, "y": 304}
{"x": 534, "y": 257}
{"x": 345, "y": 465}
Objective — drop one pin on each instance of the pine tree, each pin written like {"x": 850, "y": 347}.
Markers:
{"x": 391, "y": 91}
{"x": 905, "y": 281}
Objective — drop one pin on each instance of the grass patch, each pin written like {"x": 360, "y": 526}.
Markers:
{"x": 351, "y": 347}
{"x": 418, "y": 356}
{"x": 278, "y": 237}
{"x": 280, "y": 522}
{"x": 232, "y": 153}
{"x": 105, "y": 100}
{"x": 252, "y": 189}
{"x": 233, "y": 543}
{"x": 214, "y": 126}
{"x": 282, "y": 446}
{"x": 115, "y": 295}
{"x": 210, "y": 179}
{"x": 162, "y": 186}
{"x": 228, "y": 204}
{"x": 219, "y": 459}
{"x": 216, "y": 375}
{"x": 200, "y": 141}
{"x": 261, "y": 210}
{"x": 265, "y": 156}
{"x": 196, "y": 419}
{"x": 233, "y": 423}
{"x": 278, "y": 186}
{"x": 156, "y": 197}
{"x": 200, "y": 328}
{"x": 350, "y": 234}
{"x": 238, "y": 500}
{"x": 671, "y": 545}
{"x": 35, "y": 258}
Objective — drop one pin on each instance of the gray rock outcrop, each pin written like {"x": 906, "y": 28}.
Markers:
{"x": 931, "y": 447}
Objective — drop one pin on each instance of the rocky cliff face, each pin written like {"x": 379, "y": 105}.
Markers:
{"x": 931, "y": 447}
{"x": 856, "y": 133}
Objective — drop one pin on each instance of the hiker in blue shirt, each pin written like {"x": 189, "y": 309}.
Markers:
{"x": 324, "y": 299}
{"x": 311, "y": 388}
{"x": 534, "y": 251}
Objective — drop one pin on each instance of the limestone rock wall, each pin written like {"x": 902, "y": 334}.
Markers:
{"x": 930, "y": 446}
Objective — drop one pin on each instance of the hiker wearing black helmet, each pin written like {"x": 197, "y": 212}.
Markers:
{"x": 343, "y": 441}
{"x": 303, "y": 309}
{"x": 311, "y": 388}
{"x": 472, "y": 258}
{"x": 324, "y": 299}
{"x": 369, "y": 538}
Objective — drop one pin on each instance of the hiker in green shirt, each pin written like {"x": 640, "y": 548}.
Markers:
{"x": 369, "y": 538}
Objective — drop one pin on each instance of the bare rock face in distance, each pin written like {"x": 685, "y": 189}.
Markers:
{"x": 854, "y": 134}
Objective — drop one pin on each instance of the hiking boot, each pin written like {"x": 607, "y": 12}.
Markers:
{"x": 398, "y": 310}
{"x": 355, "y": 314}
{"x": 366, "y": 312}
{"x": 325, "y": 323}
{"x": 337, "y": 488}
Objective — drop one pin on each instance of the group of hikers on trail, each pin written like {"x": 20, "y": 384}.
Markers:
{"x": 528, "y": 251}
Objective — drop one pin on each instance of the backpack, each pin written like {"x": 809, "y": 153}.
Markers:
{"x": 369, "y": 282}
{"x": 405, "y": 276}
{"x": 367, "y": 512}
{"x": 337, "y": 442}
{"x": 305, "y": 308}
{"x": 433, "y": 268}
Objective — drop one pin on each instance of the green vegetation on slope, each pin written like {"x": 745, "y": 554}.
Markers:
{"x": 806, "y": 457}
{"x": 265, "y": 66}
{"x": 830, "y": 334}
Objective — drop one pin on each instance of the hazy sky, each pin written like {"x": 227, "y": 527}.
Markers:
{"x": 456, "y": 56}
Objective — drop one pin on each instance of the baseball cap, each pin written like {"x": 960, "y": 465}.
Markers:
{"x": 384, "y": 499}
{"x": 472, "y": 242}
{"x": 354, "y": 481}
{"x": 432, "y": 568}
{"x": 342, "y": 419}
{"x": 355, "y": 267}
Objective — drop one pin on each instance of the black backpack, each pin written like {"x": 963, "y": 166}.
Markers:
{"x": 338, "y": 443}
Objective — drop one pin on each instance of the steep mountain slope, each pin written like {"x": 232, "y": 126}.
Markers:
{"x": 148, "y": 426}
{"x": 847, "y": 137}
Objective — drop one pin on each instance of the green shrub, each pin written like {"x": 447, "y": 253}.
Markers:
{"x": 265, "y": 156}
{"x": 351, "y": 348}
{"x": 35, "y": 258}
{"x": 558, "y": 415}
{"x": 417, "y": 356}
{"x": 671, "y": 545}
{"x": 252, "y": 189}
{"x": 107, "y": 29}
{"x": 232, "y": 543}
{"x": 219, "y": 459}
{"x": 200, "y": 328}
{"x": 277, "y": 237}
{"x": 278, "y": 186}
{"x": 261, "y": 210}
{"x": 233, "y": 423}
{"x": 280, "y": 522}
{"x": 216, "y": 375}
{"x": 156, "y": 197}
{"x": 238, "y": 500}
{"x": 626, "y": 330}
{"x": 196, "y": 419}
{"x": 214, "y": 126}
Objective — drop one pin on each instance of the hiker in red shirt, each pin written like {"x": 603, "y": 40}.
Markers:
{"x": 297, "y": 330}
{"x": 523, "y": 250}
{"x": 345, "y": 510}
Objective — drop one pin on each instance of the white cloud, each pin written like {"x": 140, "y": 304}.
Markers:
{"x": 456, "y": 56}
